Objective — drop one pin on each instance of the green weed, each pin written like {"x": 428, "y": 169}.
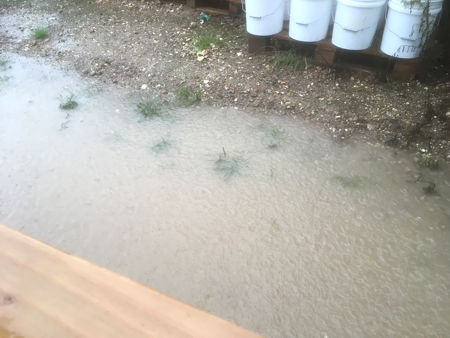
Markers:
{"x": 351, "y": 181}
{"x": 229, "y": 166}
{"x": 150, "y": 108}
{"x": 427, "y": 160}
{"x": 68, "y": 103}
{"x": 394, "y": 84}
{"x": 273, "y": 136}
{"x": 3, "y": 64}
{"x": 161, "y": 146}
{"x": 207, "y": 40}
{"x": 289, "y": 60}
{"x": 40, "y": 33}
{"x": 186, "y": 96}
{"x": 92, "y": 90}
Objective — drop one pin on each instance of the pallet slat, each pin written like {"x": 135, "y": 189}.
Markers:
{"x": 222, "y": 7}
{"x": 325, "y": 53}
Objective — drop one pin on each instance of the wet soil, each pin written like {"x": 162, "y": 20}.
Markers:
{"x": 149, "y": 46}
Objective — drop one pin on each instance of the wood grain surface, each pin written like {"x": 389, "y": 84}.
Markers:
{"x": 45, "y": 292}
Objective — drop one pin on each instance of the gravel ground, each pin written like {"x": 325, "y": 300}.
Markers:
{"x": 149, "y": 47}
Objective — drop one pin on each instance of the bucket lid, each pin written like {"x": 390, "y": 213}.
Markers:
{"x": 363, "y": 3}
{"x": 416, "y": 8}
{"x": 418, "y": 4}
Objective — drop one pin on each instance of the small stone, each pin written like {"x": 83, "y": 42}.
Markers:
{"x": 144, "y": 87}
{"x": 370, "y": 126}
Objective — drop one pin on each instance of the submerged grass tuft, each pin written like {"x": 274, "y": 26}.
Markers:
{"x": 69, "y": 103}
{"x": 186, "y": 96}
{"x": 149, "y": 108}
{"x": 3, "y": 64}
{"x": 40, "y": 33}
{"x": 229, "y": 166}
{"x": 273, "y": 136}
{"x": 207, "y": 40}
{"x": 289, "y": 60}
{"x": 351, "y": 181}
{"x": 427, "y": 160}
{"x": 161, "y": 146}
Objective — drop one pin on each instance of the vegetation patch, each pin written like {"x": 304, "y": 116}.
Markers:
{"x": 229, "y": 166}
{"x": 207, "y": 40}
{"x": 40, "y": 33}
{"x": 290, "y": 60}
{"x": 3, "y": 64}
{"x": 186, "y": 96}
{"x": 92, "y": 90}
{"x": 68, "y": 103}
{"x": 351, "y": 181}
{"x": 150, "y": 108}
{"x": 428, "y": 160}
{"x": 161, "y": 146}
{"x": 273, "y": 136}
{"x": 394, "y": 84}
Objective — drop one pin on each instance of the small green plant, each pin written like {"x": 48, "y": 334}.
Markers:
{"x": 394, "y": 84}
{"x": 351, "y": 181}
{"x": 289, "y": 60}
{"x": 40, "y": 33}
{"x": 3, "y": 64}
{"x": 273, "y": 136}
{"x": 207, "y": 40}
{"x": 161, "y": 146}
{"x": 149, "y": 108}
{"x": 229, "y": 166}
{"x": 92, "y": 90}
{"x": 428, "y": 160}
{"x": 186, "y": 96}
{"x": 68, "y": 103}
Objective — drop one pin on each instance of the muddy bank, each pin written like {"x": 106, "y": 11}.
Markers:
{"x": 151, "y": 48}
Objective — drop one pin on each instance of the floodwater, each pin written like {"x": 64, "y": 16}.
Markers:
{"x": 308, "y": 237}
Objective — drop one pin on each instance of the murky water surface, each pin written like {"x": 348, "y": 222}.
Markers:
{"x": 296, "y": 236}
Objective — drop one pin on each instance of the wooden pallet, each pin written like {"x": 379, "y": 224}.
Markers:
{"x": 326, "y": 53}
{"x": 222, "y": 7}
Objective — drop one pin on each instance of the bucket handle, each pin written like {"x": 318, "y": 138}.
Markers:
{"x": 349, "y": 29}
{"x": 306, "y": 24}
{"x": 263, "y": 16}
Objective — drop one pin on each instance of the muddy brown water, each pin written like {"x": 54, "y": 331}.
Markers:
{"x": 309, "y": 238}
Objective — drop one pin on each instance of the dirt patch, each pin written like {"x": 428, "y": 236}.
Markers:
{"x": 156, "y": 48}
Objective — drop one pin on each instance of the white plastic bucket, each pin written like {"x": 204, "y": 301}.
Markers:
{"x": 287, "y": 9}
{"x": 309, "y": 19}
{"x": 355, "y": 23}
{"x": 403, "y": 36}
{"x": 264, "y": 17}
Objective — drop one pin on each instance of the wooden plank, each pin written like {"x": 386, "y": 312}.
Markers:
{"x": 219, "y": 7}
{"x": 45, "y": 292}
{"x": 324, "y": 53}
{"x": 405, "y": 69}
{"x": 256, "y": 44}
